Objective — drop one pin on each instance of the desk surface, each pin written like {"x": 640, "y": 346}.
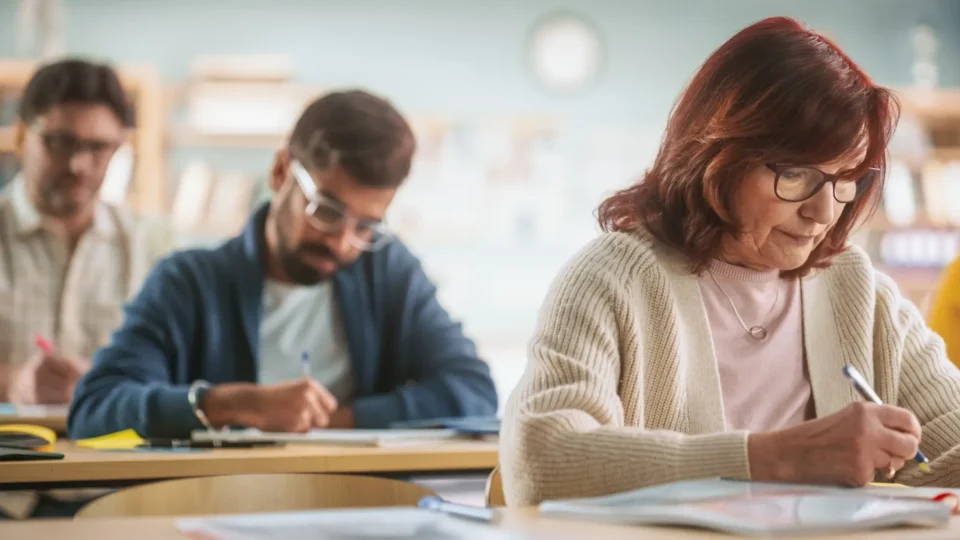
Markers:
{"x": 514, "y": 520}
{"x": 81, "y": 465}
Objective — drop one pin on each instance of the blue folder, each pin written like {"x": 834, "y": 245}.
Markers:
{"x": 476, "y": 425}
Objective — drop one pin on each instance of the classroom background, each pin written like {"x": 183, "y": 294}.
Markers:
{"x": 527, "y": 114}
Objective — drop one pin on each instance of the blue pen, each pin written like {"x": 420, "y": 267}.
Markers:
{"x": 436, "y": 504}
{"x": 305, "y": 364}
{"x": 864, "y": 389}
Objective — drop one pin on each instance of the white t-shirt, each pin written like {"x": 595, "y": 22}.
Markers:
{"x": 298, "y": 319}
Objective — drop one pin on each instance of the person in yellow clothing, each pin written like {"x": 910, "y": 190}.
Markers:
{"x": 944, "y": 317}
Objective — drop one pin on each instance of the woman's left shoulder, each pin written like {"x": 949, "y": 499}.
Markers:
{"x": 853, "y": 259}
{"x": 853, "y": 265}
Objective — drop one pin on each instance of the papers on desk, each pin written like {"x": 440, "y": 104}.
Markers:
{"x": 337, "y": 437}
{"x": 379, "y": 523}
{"x": 50, "y": 416}
{"x": 33, "y": 411}
{"x": 899, "y": 491}
{"x": 757, "y": 509}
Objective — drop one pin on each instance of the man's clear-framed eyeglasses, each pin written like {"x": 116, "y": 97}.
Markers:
{"x": 329, "y": 215}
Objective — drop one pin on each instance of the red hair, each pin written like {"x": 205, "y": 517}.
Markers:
{"x": 776, "y": 92}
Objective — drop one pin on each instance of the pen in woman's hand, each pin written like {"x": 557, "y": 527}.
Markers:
{"x": 865, "y": 390}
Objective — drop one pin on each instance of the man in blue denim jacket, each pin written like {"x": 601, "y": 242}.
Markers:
{"x": 313, "y": 317}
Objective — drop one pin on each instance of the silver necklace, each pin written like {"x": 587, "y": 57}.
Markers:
{"x": 757, "y": 332}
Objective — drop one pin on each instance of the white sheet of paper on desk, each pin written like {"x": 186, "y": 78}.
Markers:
{"x": 755, "y": 508}
{"x": 42, "y": 411}
{"x": 379, "y": 523}
{"x": 339, "y": 437}
{"x": 901, "y": 492}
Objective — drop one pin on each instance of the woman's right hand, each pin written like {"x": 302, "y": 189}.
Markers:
{"x": 845, "y": 448}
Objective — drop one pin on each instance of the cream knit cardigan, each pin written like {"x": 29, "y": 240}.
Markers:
{"x": 621, "y": 389}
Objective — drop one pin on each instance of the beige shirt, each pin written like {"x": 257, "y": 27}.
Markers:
{"x": 622, "y": 388}
{"x": 73, "y": 301}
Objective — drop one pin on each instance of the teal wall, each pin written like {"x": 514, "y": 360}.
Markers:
{"x": 467, "y": 55}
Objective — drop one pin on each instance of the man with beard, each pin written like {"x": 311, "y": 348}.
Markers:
{"x": 313, "y": 317}
{"x": 68, "y": 261}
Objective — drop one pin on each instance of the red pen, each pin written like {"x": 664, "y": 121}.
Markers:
{"x": 44, "y": 345}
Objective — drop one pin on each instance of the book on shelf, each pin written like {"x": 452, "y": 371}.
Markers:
{"x": 230, "y": 202}
{"x": 192, "y": 196}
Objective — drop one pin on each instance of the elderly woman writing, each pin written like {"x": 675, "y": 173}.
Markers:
{"x": 705, "y": 334}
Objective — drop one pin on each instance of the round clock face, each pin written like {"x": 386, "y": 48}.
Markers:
{"x": 565, "y": 52}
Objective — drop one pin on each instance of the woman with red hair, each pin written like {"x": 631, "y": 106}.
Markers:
{"x": 705, "y": 334}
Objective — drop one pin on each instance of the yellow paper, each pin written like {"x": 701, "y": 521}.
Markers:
{"x": 887, "y": 484}
{"x": 46, "y": 434}
{"x": 121, "y": 440}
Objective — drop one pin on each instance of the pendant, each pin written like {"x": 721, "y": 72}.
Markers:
{"x": 758, "y": 333}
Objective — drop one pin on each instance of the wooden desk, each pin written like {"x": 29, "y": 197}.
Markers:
{"x": 83, "y": 467}
{"x": 515, "y": 520}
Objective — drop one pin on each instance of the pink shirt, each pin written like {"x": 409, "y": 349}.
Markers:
{"x": 765, "y": 383}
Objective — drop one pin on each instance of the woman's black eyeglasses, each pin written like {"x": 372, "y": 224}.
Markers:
{"x": 794, "y": 183}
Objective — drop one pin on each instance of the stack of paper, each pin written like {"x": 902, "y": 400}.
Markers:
{"x": 33, "y": 411}
{"x": 338, "y": 437}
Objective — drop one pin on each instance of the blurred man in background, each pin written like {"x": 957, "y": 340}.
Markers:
{"x": 68, "y": 261}
{"x": 313, "y": 317}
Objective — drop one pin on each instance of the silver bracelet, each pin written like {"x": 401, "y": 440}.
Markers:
{"x": 195, "y": 402}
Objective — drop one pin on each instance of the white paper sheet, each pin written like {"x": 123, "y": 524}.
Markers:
{"x": 755, "y": 509}
{"x": 341, "y": 437}
{"x": 379, "y": 523}
{"x": 41, "y": 411}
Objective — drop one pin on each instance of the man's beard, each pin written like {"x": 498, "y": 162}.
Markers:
{"x": 296, "y": 269}
{"x": 56, "y": 201}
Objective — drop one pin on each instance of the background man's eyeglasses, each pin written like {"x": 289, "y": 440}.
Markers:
{"x": 65, "y": 145}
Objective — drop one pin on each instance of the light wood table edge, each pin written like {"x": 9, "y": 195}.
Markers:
{"x": 291, "y": 459}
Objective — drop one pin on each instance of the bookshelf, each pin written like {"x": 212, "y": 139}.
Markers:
{"x": 183, "y": 137}
{"x": 926, "y": 242}
{"x": 146, "y": 194}
{"x": 224, "y": 113}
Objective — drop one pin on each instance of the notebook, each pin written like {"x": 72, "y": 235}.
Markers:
{"x": 22, "y": 454}
{"x": 27, "y": 437}
{"x": 337, "y": 437}
{"x": 757, "y": 509}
